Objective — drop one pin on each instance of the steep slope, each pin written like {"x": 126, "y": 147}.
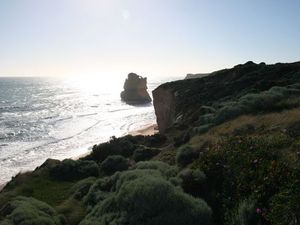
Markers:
{"x": 183, "y": 102}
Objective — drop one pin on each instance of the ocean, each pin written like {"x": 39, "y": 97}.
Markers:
{"x": 55, "y": 118}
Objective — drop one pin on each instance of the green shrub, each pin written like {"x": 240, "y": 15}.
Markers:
{"x": 70, "y": 169}
{"x": 149, "y": 200}
{"x": 113, "y": 164}
{"x": 182, "y": 138}
{"x": 193, "y": 182}
{"x": 81, "y": 188}
{"x": 165, "y": 169}
{"x": 294, "y": 129}
{"x": 202, "y": 129}
{"x": 246, "y": 214}
{"x": 244, "y": 130}
{"x": 120, "y": 178}
{"x": 194, "y": 176}
{"x": 116, "y": 146}
{"x": 29, "y": 211}
{"x": 185, "y": 155}
{"x": 274, "y": 99}
{"x": 229, "y": 112}
{"x": 143, "y": 153}
{"x": 207, "y": 118}
{"x": 284, "y": 206}
{"x": 99, "y": 191}
{"x": 258, "y": 167}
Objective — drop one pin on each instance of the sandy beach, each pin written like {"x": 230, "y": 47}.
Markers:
{"x": 146, "y": 131}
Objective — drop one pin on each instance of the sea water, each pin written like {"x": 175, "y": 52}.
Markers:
{"x": 55, "y": 118}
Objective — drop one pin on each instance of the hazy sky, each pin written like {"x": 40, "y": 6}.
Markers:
{"x": 151, "y": 37}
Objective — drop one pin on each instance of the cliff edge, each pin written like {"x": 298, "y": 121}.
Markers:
{"x": 202, "y": 101}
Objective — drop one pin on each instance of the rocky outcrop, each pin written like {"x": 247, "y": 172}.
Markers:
{"x": 135, "y": 90}
{"x": 184, "y": 102}
{"x": 164, "y": 104}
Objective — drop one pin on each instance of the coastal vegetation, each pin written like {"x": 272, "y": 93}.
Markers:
{"x": 226, "y": 155}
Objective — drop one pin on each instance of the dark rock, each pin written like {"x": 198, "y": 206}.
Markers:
{"x": 135, "y": 90}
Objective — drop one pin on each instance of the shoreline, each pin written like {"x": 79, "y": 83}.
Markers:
{"x": 147, "y": 130}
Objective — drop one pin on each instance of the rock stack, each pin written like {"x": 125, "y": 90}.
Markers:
{"x": 135, "y": 90}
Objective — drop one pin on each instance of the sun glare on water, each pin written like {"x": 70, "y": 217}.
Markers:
{"x": 97, "y": 84}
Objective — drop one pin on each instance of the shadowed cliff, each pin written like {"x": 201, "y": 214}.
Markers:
{"x": 184, "y": 102}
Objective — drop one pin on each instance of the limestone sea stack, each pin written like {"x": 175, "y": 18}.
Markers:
{"x": 135, "y": 90}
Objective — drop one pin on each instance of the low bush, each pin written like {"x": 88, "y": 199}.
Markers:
{"x": 259, "y": 167}
{"x": 70, "y": 169}
{"x": 185, "y": 155}
{"x": 120, "y": 178}
{"x": 192, "y": 177}
{"x": 229, "y": 112}
{"x": 193, "y": 182}
{"x": 181, "y": 139}
{"x": 246, "y": 214}
{"x": 116, "y": 146}
{"x": 244, "y": 130}
{"x": 165, "y": 169}
{"x": 284, "y": 206}
{"x": 23, "y": 211}
{"x": 202, "y": 129}
{"x": 113, "y": 164}
{"x": 98, "y": 191}
{"x": 274, "y": 99}
{"x": 149, "y": 200}
{"x": 144, "y": 153}
{"x": 294, "y": 129}
{"x": 81, "y": 188}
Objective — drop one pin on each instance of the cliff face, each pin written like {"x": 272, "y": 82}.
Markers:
{"x": 187, "y": 101}
{"x": 164, "y": 104}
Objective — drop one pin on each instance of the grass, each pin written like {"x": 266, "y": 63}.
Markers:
{"x": 73, "y": 210}
{"x": 41, "y": 187}
{"x": 263, "y": 123}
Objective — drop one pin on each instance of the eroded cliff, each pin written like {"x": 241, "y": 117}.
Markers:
{"x": 204, "y": 101}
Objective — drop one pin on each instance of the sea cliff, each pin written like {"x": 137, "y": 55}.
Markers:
{"x": 184, "y": 101}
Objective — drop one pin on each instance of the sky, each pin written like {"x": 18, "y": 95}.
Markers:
{"x": 150, "y": 37}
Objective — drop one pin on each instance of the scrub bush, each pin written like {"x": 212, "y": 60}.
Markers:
{"x": 144, "y": 153}
{"x": 246, "y": 214}
{"x": 149, "y": 200}
{"x": 29, "y": 211}
{"x": 70, "y": 169}
{"x": 116, "y": 146}
{"x": 113, "y": 164}
{"x": 193, "y": 182}
{"x": 185, "y": 155}
{"x": 165, "y": 169}
{"x": 81, "y": 188}
{"x": 99, "y": 191}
